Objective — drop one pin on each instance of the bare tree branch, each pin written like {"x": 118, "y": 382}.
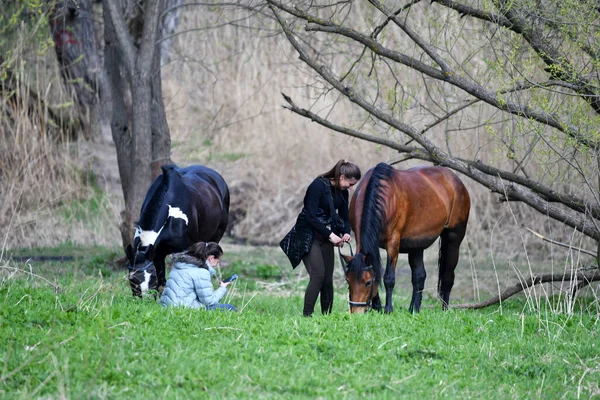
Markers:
{"x": 561, "y": 69}
{"x": 148, "y": 42}
{"x": 403, "y": 8}
{"x": 129, "y": 52}
{"x": 238, "y": 5}
{"x": 446, "y": 74}
{"x": 429, "y": 50}
{"x": 414, "y": 152}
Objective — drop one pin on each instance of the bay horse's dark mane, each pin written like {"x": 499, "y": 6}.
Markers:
{"x": 372, "y": 215}
{"x": 151, "y": 211}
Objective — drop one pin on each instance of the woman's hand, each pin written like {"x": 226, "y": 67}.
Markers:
{"x": 346, "y": 238}
{"x": 224, "y": 284}
{"x": 336, "y": 240}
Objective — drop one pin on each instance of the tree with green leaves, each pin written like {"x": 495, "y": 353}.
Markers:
{"x": 125, "y": 81}
{"x": 23, "y": 36}
{"x": 519, "y": 81}
{"x": 504, "y": 92}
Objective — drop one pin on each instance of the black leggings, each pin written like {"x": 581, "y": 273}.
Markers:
{"x": 319, "y": 264}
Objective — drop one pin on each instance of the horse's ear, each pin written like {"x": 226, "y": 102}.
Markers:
{"x": 166, "y": 168}
{"x": 369, "y": 259}
{"x": 150, "y": 253}
{"x": 129, "y": 253}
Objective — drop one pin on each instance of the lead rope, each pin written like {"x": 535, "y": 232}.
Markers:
{"x": 342, "y": 258}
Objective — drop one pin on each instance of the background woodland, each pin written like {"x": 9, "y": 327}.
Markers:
{"x": 222, "y": 69}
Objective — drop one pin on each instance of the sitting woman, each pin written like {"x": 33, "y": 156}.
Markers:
{"x": 189, "y": 282}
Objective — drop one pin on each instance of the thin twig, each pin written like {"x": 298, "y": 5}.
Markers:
{"x": 56, "y": 286}
{"x": 568, "y": 246}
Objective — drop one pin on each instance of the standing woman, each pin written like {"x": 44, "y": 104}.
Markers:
{"x": 322, "y": 224}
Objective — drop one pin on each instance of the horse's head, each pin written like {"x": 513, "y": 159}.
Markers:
{"x": 142, "y": 273}
{"x": 363, "y": 281}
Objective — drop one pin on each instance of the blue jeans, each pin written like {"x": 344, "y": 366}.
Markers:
{"x": 227, "y": 307}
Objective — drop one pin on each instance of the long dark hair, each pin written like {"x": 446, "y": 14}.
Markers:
{"x": 202, "y": 250}
{"x": 342, "y": 167}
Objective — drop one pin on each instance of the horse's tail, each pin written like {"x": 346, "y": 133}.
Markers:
{"x": 373, "y": 214}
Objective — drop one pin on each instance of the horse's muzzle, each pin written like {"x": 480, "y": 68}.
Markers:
{"x": 141, "y": 280}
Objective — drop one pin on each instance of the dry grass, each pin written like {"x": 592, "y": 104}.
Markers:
{"x": 44, "y": 184}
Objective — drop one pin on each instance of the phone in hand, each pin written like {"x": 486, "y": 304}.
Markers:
{"x": 231, "y": 278}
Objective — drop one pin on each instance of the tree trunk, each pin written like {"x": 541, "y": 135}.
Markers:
{"x": 161, "y": 136}
{"x": 142, "y": 149}
{"x": 114, "y": 100}
{"x": 72, "y": 26}
{"x": 141, "y": 156}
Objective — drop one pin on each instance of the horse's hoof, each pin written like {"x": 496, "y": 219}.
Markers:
{"x": 414, "y": 309}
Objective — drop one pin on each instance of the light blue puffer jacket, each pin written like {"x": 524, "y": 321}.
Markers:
{"x": 189, "y": 285}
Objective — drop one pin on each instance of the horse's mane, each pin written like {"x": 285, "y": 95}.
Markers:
{"x": 154, "y": 204}
{"x": 373, "y": 211}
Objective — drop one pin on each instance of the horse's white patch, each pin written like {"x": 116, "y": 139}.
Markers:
{"x": 176, "y": 212}
{"x": 147, "y": 237}
{"x": 145, "y": 284}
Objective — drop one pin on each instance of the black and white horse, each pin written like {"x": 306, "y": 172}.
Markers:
{"x": 182, "y": 206}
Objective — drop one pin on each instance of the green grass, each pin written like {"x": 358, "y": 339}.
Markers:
{"x": 91, "y": 339}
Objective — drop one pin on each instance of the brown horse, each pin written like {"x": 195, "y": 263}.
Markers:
{"x": 404, "y": 212}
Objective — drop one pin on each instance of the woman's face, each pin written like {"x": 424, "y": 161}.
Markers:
{"x": 346, "y": 183}
{"x": 212, "y": 260}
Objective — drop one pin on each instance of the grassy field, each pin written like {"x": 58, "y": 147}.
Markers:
{"x": 71, "y": 329}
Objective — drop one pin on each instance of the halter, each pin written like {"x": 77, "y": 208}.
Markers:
{"x": 137, "y": 249}
{"x": 369, "y": 300}
{"x": 136, "y": 284}
{"x": 145, "y": 267}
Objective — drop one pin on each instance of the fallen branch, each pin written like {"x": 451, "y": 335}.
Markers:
{"x": 585, "y": 277}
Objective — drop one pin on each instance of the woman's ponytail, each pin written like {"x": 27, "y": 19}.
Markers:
{"x": 342, "y": 167}
{"x": 202, "y": 250}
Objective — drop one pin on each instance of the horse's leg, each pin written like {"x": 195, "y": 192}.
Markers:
{"x": 417, "y": 268}
{"x": 449, "y": 248}
{"x": 389, "y": 277}
{"x": 376, "y": 303}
